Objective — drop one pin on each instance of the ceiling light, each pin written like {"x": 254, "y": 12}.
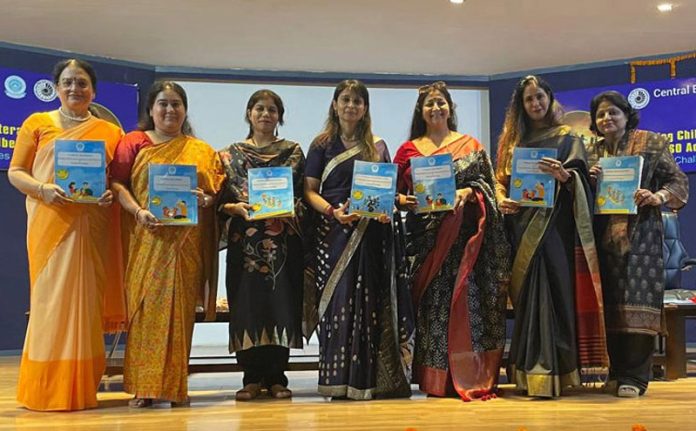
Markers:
{"x": 457, "y": 1}
{"x": 664, "y": 7}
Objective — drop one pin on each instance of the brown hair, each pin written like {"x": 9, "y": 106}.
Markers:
{"x": 332, "y": 127}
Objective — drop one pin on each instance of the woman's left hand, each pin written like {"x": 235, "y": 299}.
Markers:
{"x": 644, "y": 197}
{"x": 106, "y": 199}
{"x": 384, "y": 219}
{"x": 463, "y": 196}
{"x": 555, "y": 168}
{"x": 204, "y": 200}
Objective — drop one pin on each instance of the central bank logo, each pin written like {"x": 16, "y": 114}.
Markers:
{"x": 15, "y": 87}
{"x": 639, "y": 98}
{"x": 44, "y": 90}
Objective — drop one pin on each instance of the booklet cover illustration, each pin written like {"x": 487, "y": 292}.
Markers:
{"x": 619, "y": 181}
{"x": 271, "y": 192}
{"x": 171, "y": 198}
{"x": 433, "y": 182}
{"x": 528, "y": 185}
{"x": 80, "y": 169}
{"x": 373, "y": 190}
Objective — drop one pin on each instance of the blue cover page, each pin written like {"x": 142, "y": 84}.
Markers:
{"x": 373, "y": 190}
{"x": 619, "y": 181}
{"x": 271, "y": 192}
{"x": 80, "y": 169}
{"x": 433, "y": 182}
{"x": 528, "y": 185}
{"x": 170, "y": 194}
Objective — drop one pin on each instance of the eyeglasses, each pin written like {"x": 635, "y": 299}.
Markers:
{"x": 438, "y": 85}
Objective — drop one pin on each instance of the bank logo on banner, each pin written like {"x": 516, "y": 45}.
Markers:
{"x": 15, "y": 87}
{"x": 639, "y": 98}
{"x": 44, "y": 90}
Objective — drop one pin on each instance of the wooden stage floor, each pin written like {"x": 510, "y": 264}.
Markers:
{"x": 667, "y": 406}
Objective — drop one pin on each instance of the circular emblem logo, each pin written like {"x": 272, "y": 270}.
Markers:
{"x": 639, "y": 98}
{"x": 15, "y": 87}
{"x": 618, "y": 163}
{"x": 45, "y": 91}
{"x": 431, "y": 161}
{"x": 269, "y": 173}
{"x": 171, "y": 170}
{"x": 375, "y": 168}
{"x": 80, "y": 146}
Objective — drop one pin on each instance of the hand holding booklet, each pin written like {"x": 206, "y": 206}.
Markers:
{"x": 618, "y": 184}
{"x": 373, "y": 190}
{"x": 528, "y": 184}
{"x": 433, "y": 183}
{"x": 80, "y": 169}
{"x": 171, "y": 198}
{"x": 271, "y": 192}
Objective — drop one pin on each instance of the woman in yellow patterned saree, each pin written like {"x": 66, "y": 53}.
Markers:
{"x": 74, "y": 254}
{"x": 170, "y": 269}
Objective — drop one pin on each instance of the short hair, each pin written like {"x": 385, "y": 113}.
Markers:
{"x": 617, "y": 99}
{"x": 82, "y": 64}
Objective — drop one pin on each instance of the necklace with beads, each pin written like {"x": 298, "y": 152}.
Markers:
{"x": 76, "y": 119}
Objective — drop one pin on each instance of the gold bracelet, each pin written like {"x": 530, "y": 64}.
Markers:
{"x": 136, "y": 213}
{"x": 41, "y": 186}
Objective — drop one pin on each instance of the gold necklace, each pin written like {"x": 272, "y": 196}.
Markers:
{"x": 76, "y": 119}
{"x": 347, "y": 139}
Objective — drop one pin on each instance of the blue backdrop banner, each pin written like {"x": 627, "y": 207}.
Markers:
{"x": 667, "y": 107}
{"x": 24, "y": 93}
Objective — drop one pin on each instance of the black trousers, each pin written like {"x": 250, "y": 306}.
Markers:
{"x": 630, "y": 358}
{"x": 265, "y": 365}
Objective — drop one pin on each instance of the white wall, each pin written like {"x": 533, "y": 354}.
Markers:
{"x": 216, "y": 112}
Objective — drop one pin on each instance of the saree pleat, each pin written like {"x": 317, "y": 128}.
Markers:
{"x": 461, "y": 264}
{"x": 76, "y": 279}
{"x": 169, "y": 272}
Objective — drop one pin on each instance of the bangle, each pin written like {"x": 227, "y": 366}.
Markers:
{"x": 136, "y": 213}
{"x": 41, "y": 186}
{"x": 329, "y": 211}
{"x": 663, "y": 198}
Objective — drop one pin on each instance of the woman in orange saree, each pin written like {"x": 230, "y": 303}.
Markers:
{"x": 170, "y": 269}
{"x": 461, "y": 260}
{"x": 74, "y": 255}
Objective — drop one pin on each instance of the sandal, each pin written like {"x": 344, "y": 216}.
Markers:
{"x": 628, "y": 391}
{"x": 138, "y": 403}
{"x": 279, "y": 391}
{"x": 248, "y": 393}
{"x": 185, "y": 403}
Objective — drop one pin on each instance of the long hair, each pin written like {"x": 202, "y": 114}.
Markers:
{"x": 332, "y": 127}
{"x": 418, "y": 126}
{"x": 617, "y": 99}
{"x": 259, "y": 95}
{"x": 146, "y": 122}
{"x": 517, "y": 123}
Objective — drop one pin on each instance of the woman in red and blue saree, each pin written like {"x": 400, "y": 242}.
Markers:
{"x": 264, "y": 257}
{"x": 461, "y": 260}
{"x": 356, "y": 285}
{"x": 630, "y": 246}
{"x": 554, "y": 285}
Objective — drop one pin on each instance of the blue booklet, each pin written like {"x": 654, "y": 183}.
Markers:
{"x": 271, "y": 192}
{"x": 373, "y": 190}
{"x": 170, "y": 194}
{"x": 619, "y": 181}
{"x": 433, "y": 182}
{"x": 80, "y": 169}
{"x": 528, "y": 185}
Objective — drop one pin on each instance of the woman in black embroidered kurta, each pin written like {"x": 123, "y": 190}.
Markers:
{"x": 264, "y": 258}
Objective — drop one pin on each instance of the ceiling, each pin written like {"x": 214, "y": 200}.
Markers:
{"x": 480, "y": 37}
